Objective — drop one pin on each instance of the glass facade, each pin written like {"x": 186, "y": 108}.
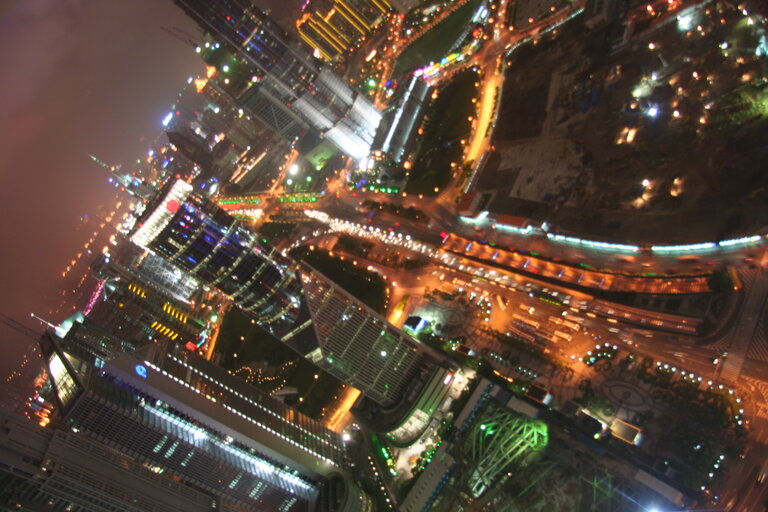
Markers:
{"x": 296, "y": 304}
{"x": 333, "y": 27}
{"x": 268, "y": 414}
{"x": 55, "y": 470}
{"x": 168, "y": 440}
{"x": 291, "y": 76}
{"x": 357, "y": 346}
{"x": 202, "y": 238}
{"x": 136, "y": 308}
{"x": 178, "y": 414}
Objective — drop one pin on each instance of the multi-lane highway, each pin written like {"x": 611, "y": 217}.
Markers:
{"x": 510, "y": 281}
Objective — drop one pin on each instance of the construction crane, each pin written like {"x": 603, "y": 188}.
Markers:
{"x": 19, "y": 327}
{"x": 181, "y": 34}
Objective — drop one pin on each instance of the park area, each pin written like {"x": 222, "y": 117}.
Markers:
{"x": 438, "y": 42}
{"x": 252, "y": 354}
{"x": 446, "y": 127}
{"x": 690, "y": 425}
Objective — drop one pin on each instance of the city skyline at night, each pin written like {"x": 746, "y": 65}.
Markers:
{"x": 374, "y": 255}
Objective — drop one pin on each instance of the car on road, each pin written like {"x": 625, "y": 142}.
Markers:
{"x": 763, "y": 474}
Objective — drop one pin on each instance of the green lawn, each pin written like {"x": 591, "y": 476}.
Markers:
{"x": 363, "y": 284}
{"x": 446, "y": 124}
{"x": 274, "y": 232}
{"x": 259, "y": 345}
{"x": 435, "y": 44}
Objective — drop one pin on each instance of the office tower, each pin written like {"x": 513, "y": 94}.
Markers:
{"x": 194, "y": 150}
{"x": 141, "y": 296}
{"x": 403, "y": 6}
{"x": 20, "y": 392}
{"x": 131, "y": 262}
{"x": 133, "y": 307}
{"x": 367, "y": 12}
{"x": 201, "y": 238}
{"x": 235, "y": 79}
{"x": 213, "y": 136}
{"x": 130, "y": 182}
{"x": 287, "y": 74}
{"x": 180, "y": 415}
{"x": 294, "y": 303}
{"x": 333, "y": 27}
{"x": 57, "y": 469}
{"x": 402, "y": 119}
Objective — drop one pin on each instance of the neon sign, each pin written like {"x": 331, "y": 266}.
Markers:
{"x": 140, "y": 370}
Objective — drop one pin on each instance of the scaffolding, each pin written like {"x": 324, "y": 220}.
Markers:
{"x": 564, "y": 480}
{"x": 498, "y": 439}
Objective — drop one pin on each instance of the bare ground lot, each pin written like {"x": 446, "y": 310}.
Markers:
{"x": 584, "y": 122}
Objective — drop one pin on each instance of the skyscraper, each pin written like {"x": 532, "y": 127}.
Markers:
{"x": 58, "y": 469}
{"x": 234, "y": 77}
{"x": 134, "y": 305}
{"x": 287, "y": 74}
{"x": 126, "y": 181}
{"x": 332, "y": 27}
{"x": 293, "y": 302}
{"x": 200, "y": 237}
{"x": 177, "y": 414}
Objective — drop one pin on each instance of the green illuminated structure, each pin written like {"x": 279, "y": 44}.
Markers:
{"x": 498, "y": 439}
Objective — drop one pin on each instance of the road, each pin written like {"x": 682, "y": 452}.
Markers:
{"x": 510, "y": 293}
{"x": 444, "y": 218}
{"x": 743, "y": 491}
{"x": 744, "y": 333}
{"x": 570, "y": 274}
{"x": 520, "y": 290}
{"x": 489, "y": 274}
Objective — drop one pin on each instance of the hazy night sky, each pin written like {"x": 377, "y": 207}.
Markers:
{"x": 78, "y": 77}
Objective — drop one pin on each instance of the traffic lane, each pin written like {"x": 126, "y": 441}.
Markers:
{"x": 386, "y": 222}
{"x": 494, "y": 274}
{"x": 668, "y": 349}
{"x": 746, "y": 492}
{"x": 635, "y": 263}
{"x": 693, "y": 358}
{"x": 754, "y": 369}
{"x": 574, "y": 275}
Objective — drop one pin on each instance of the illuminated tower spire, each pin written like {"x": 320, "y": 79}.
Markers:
{"x": 114, "y": 170}
{"x": 110, "y": 168}
{"x": 125, "y": 181}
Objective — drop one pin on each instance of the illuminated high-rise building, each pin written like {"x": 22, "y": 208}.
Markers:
{"x": 176, "y": 414}
{"x": 333, "y": 27}
{"x": 403, "y": 6}
{"x": 286, "y": 74}
{"x": 141, "y": 296}
{"x": 56, "y": 469}
{"x": 234, "y": 78}
{"x": 134, "y": 309}
{"x": 293, "y": 302}
{"x": 201, "y": 238}
{"x": 211, "y": 136}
